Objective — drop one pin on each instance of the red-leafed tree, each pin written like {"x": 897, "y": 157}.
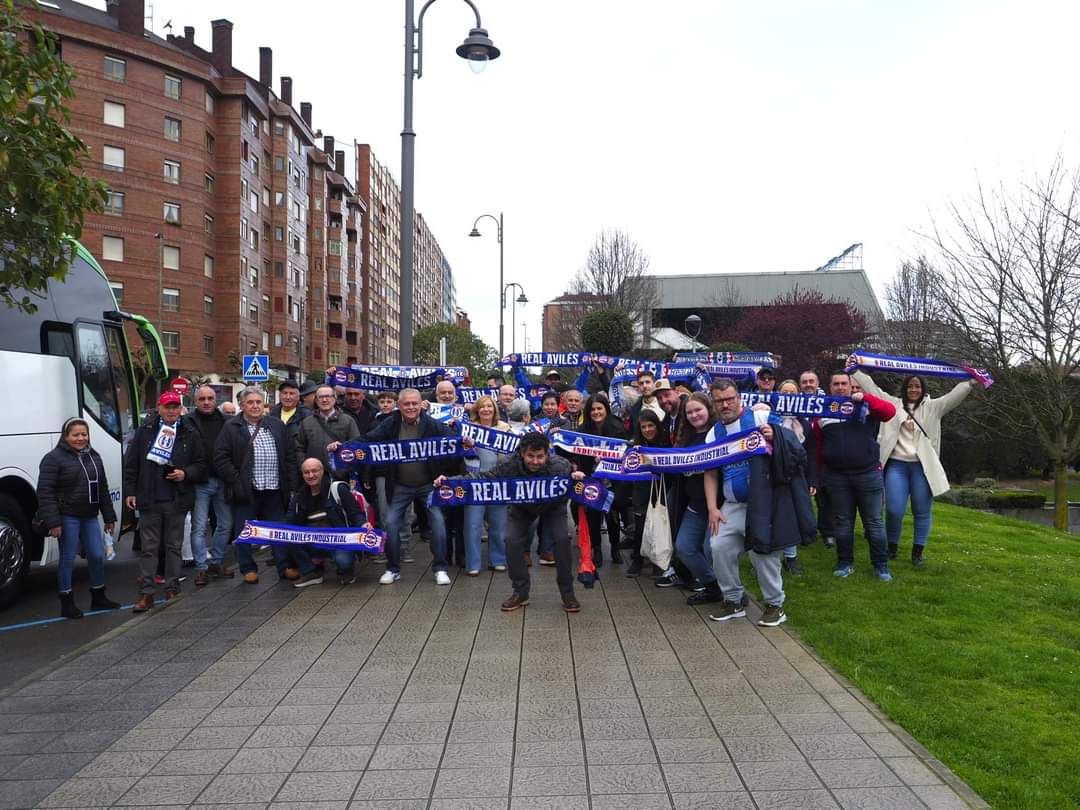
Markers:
{"x": 805, "y": 328}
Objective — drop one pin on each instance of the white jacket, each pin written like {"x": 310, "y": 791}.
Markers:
{"x": 929, "y": 412}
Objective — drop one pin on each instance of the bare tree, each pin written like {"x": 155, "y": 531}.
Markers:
{"x": 916, "y": 311}
{"x": 1011, "y": 290}
{"x": 616, "y": 270}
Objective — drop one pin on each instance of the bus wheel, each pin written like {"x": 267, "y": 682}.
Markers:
{"x": 14, "y": 560}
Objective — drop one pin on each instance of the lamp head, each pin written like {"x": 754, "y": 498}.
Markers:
{"x": 478, "y": 49}
{"x": 474, "y": 232}
{"x": 521, "y": 299}
{"x": 693, "y": 325}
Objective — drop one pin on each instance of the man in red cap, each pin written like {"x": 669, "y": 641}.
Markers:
{"x": 162, "y": 465}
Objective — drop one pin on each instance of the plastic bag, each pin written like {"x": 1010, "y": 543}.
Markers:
{"x": 656, "y": 537}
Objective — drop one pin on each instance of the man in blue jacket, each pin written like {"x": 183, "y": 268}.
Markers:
{"x": 411, "y": 481}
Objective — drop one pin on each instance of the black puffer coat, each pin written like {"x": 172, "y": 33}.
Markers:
{"x": 779, "y": 511}
{"x": 234, "y": 458}
{"x": 64, "y": 486}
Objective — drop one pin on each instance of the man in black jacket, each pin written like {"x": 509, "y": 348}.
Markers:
{"x": 409, "y": 481}
{"x": 533, "y": 458}
{"x": 162, "y": 465}
{"x": 356, "y": 404}
{"x": 255, "y": 458}
{"x": 208, "y": 420}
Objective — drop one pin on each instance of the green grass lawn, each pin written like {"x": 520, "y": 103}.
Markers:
{"x": 977, "y": 655}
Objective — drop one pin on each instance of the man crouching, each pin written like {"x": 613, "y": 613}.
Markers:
{"x": 533, "y": 459}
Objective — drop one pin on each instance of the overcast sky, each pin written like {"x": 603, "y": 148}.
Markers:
{"x": 722, "y": 136}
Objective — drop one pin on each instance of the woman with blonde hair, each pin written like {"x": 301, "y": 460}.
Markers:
{"x": 486, "y": 413}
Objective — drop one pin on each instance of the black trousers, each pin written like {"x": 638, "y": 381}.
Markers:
{"x": 554, "y": 534}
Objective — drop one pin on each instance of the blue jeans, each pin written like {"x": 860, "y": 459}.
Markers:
{"x": 399, "y": 503}
{"x": 904, "y": 479}
{"x": 266, "y": 505}
{"x": 474, "y": 525}
{"x": 212, "y": 493}
{"x": 692, "y": 546}
{"x": 863, "y": 491}
{"x": 87, "y": 531}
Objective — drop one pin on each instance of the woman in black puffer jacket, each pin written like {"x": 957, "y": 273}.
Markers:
{"x": 72, "y": 491}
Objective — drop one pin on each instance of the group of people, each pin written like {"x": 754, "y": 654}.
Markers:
{"x": 275, "y": 465}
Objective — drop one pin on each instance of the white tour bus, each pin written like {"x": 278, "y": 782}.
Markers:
{"x": 68, "y": 358}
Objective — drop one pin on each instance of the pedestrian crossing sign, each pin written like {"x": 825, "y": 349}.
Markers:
{"x": 256, "y": 368}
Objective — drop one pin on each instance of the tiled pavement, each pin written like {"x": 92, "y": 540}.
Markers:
{"x": 416, "y": 696}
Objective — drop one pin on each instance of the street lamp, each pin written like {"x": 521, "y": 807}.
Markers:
{"x": 521, "y": 299}
{"x": 474, "y": 232}
{"x": 478, "y": 50}
{"x": 692, "y": 325}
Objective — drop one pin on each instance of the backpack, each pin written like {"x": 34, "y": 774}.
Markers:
{"x": 358, "y": 496}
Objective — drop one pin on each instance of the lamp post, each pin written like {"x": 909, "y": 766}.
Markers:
{"x": 499, "y": 235}
{"x": 478, "y": 50}
{"x": 521, "y": 299}
{"x": 160, "y": 279}
{"x": 692, "y": 325}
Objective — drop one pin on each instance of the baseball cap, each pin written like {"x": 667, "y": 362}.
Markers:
{"x": 663, "y": 384}
{"x": 765, "y": 371}
{"x": 552, "y": 373}
{"x": 288, "y": 384}
{"x": 169, "y": 398}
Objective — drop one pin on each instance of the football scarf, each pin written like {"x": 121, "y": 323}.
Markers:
{"x": 498, "y": 441}
{"x": 160, "y": 451}
{"x": 348, "y": 377}
{"x": 868, "y": 361}
{"x": 586, "y": 444}
{"x": 401, "y": 451}
{"x": 528, "y": 489}
{"x": 807, "y": 405}
{"x": 260, "y": 533}
{"x": 729, "y": 449}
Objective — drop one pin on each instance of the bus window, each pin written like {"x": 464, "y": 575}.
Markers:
{"x": 58, "y": 340}
{"x": 125, "y": 402}
{"x": 98, "y": 393}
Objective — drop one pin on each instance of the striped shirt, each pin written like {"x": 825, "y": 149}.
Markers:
{"x": 264, "y": 453}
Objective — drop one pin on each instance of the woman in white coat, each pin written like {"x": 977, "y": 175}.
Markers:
{"x": 910, "y": 448}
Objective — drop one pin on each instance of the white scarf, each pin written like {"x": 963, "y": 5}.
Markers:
{"x": 161, "y": 450}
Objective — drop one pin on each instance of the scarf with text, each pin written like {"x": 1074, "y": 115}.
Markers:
{"x": 348, "y": 377}
{"x": 586, "y": 444}
{"x": 869, "y": 361}
{"x": 400, "y": 451}
{"x": 807, "y": 405}
{"x": 498, "y": 441}
{"x": 528, "y": 489}
{"x": 261, "y": 533}
{"x": 160, "y": 451}
{"x": 443, "y": 412}
{"x": 456, "y": 374}
{"x": 728, "y": 449}
{"x": 752, "y": 358}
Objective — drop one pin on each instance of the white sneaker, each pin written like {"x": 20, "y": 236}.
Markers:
{"x": 442, "y": 578}
{"x": 389, "y": 578}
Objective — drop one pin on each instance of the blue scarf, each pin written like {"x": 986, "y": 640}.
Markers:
{"x": 728, "y": 449}
{"x": 612, "y": 469}
{"x": 456, "y": 374}
{"x": 162, "y": 447}
{"x": 751, "y": 358}
{"x": 869, "y": 361}
{"x": 529, "y": 489}
{"x": 498, "y": 441}
{"x": 261, "y": 533}
{"x": 444, "y": 413}
{"x": 734, "y": 371}
{"x": 807, "y": 405}
{"x": 586, "y": 444}
{"x": 348, "y": 377}
{"x": 401, "y": 451}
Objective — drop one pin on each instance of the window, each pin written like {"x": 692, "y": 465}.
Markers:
{"x": 243, "y": 304}
{"x": 209, "y": 223}
{"x": 95, "y": 372}
{"x": 208, "y": 141}
{"x": 171, "y": 342}
{"x": 266, "y": 197}
{"x": 114, "y": 158}
{"x": 279, "y": 164}
{"x": 117, "y": 288}
{"x": 279, "y": 233}
{"x": 172, "y": 172}
{"x": 114, "y": 203}
{"x": 266, "y": 341}
{"x": 333, "y": 358}
{"x": 243, "y": 230}
{"x": 278, "y": 342}
{"x": 207, "y": 340}
{"x": 115, "y": 69}
{"x": 208, "y": 266}
{"x": 317, "y": 324}
{"x": 209, "y": 104}
{"x": 172, "y": 129}
{"x": 266, "y": 268}
{"x": 253, "y": 275}
{"x": 279, "y": 269}
{"x": 112, "y": 248}
{"x": 114, "y": 114}
{"x": 253, "y": 201}
{"x": 318, "y": 233}
{"x": 208, "y": 183}
{"x": 279, "y": 198}
{"x": 335, "y": 247}
{"x": 170, "y": 299}
{"x": 244, "y": 151}
{"x": 296, "y": 245}
{"x": 279, "y": 127}
{"x": 170, "y": 257}
{"x": 252, "y": 348}
{"x": 253, "y": 312}
{"x": 318, "y": 203}
{"x": 255, "y": 165}
{"x": 253, "y": 238}
{"x": 172, "y": 86}
{"x": 171, "y": 213}
{"x": 208, "y": 304}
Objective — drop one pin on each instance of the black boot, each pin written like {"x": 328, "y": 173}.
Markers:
{"x": 68, "y": 608}
{"x": 892, "y": 550}
{"x": 99, "y": 601}
{"x": 711, "y": 594}
{"x": 916, "y": 556}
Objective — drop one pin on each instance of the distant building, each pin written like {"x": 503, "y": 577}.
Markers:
{"x": 563, "y": 316}
{"x": 461, "y": 318}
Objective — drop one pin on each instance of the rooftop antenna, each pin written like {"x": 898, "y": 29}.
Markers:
{"x": 850, "y": 259}
{"x": 168, "y": 26}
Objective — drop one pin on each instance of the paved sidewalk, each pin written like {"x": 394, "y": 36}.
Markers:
{"x": 416, "y": 696}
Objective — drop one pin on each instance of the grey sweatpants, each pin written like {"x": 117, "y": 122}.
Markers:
{"x": 729, "y": 544}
